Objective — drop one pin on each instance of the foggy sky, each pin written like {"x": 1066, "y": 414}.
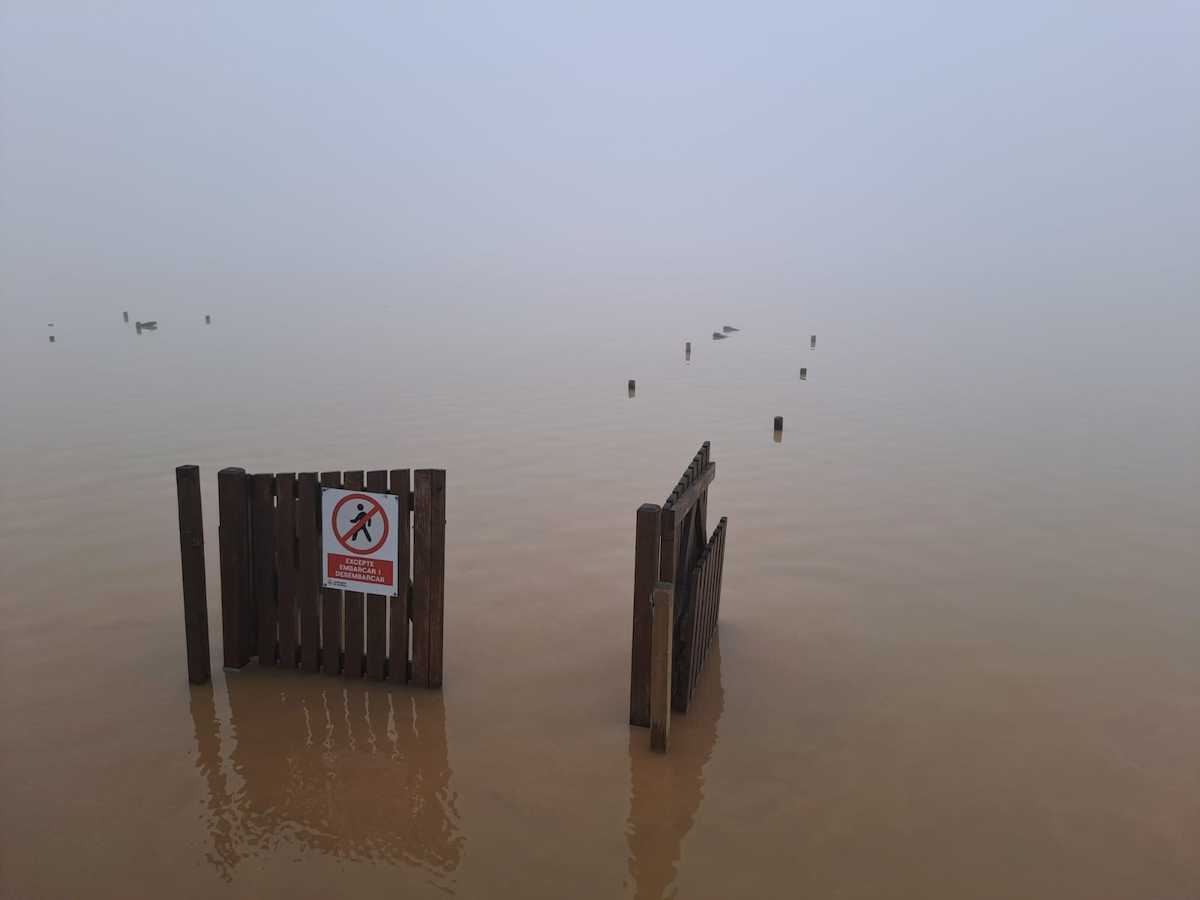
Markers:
{"x": 601, "y": 149}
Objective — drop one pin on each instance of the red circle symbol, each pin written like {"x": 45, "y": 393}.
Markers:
{"x": 368, "y": 509}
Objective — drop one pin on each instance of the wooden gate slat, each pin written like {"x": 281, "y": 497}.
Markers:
{"x": 645, "y": 574}
{"x": 398, "y": 624}
{"x": 660, "y": 667}
{"x": 352, "y": 665}
{"x": 422, "y": 576}
{"x": 237, "y": 608}
{"x": 377, "y": 604}
{"x": 262, "y": 519}
{"x": 285, "y": 569}
{"x": 331, "y": 601}
{"x": 308, "y": 569}
{"x": 191, "y": 561}
{"x": 437, "y": 575}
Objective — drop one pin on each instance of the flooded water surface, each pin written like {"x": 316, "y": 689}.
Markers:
{"x": 959, "y": 646}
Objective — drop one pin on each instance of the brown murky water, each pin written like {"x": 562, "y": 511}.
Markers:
{"x": 959, "y": 653}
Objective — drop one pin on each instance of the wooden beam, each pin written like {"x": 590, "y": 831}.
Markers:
{"x": 685, "y": 501}
{"x": 660, "y": 667}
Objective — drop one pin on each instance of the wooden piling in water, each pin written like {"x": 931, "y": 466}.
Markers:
{"x": 779, "y": 423}
{"x": 191, "y": 558}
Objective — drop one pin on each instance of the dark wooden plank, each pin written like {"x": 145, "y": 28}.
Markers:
{"x": 422, "y": 547}
{"x": 262, "y": 543}
{"x": 237, "y": 611}
{"x": 686, "y": 500}
{"x": 398, "y": 620}
{"x": 377, "y": 604}
{"x": 645, "y": 574}
{"x": 331, "y": 600}
{"x": 660, "y": 667}
{"x": 285, "y": 569}
{"x": 437, "y": 576}
{"x": 724, "y": 526}
{"x": 308, "y": 569}
{"x": 352, "y": 665}
{"x": 191, "y": 562}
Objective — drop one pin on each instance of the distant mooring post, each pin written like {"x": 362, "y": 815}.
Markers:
{"x": 687, "y": 350}
{"x": 803, "y": 373}
{"x": 191, "y": 557}
{"x": 779, "y": 423}
{"x": 52, "y": 339}
{"x": 126, "y": 315}
{"x": 632, "y": 387}
{"x": 812, "y": 341}
{"x": 208, "y": 320}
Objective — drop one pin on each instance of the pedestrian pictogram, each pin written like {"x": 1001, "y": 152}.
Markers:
{"x": 359, "y": 540}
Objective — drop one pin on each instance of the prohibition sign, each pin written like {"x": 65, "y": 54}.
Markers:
{"x": 368, "y": 509}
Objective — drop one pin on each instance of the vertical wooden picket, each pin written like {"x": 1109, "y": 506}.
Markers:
{"x": 437, "y": 574}
{"x": 285, "y": 569}
{"x": 645, "y": 574}
{"x": 191, "y": 559}
{"x": 331, "y": 602}
{"x": 237, "y": 610}
{"x": 308, "y": 569}
{"x": 352, "y": 665}
{"x": 422, "y": 543}
{"x": 262, "y": 540}
{"x": 399, "y": 612}
{"x": 377, "y": 604}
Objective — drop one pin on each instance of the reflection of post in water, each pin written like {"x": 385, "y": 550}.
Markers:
{"x": 224, "y": 855}
{"x": 350, "y": 770}
{"x": 665, "y": 791}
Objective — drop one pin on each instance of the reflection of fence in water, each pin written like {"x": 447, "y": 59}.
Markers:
{"x": 665, "y": 791}
{"x": 344, "y": 770}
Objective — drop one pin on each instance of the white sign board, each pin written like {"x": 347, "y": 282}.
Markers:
{"x": 359, "y": 541}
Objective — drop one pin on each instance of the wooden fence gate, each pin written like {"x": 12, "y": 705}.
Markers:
{"x": 273, "y": 606}
{"x": 676, "y": 598}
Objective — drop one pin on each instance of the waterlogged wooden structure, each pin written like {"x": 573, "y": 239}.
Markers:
{"x": 676, "y": 599}
{"x": 273, "y": 606}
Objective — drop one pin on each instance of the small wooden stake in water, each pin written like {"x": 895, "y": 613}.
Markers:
{"x": 126, "y": 315}
{"x": 812, "y": 341}
{"x": 803, "y": 374}
{"x": 208, "y": 320}
{"x": 779, "y": 423}
{"x": 52, "y": 339}
{"x": 632, "y": 387}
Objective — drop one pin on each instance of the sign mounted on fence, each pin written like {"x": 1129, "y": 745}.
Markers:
{"x": 358, "y": 536}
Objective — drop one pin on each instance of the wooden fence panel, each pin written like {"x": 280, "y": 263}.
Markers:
{"x": 399, "y": 613}
{"x": 377, "y": 604}
{"x": 191, "y": 561}
{"x": 237, "y": 609}
{"x": 262, "y": 526}
{"x": 285, "y": 569}
{"x": 308, "y": 569}
{"x": 352, "y": 665}
{"x": 331, "y": 602}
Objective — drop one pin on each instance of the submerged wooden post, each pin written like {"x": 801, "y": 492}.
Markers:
{"x": 191, "y": 557}
{"x": 237, "y": 610}
{"x": 645, "y": 574}
{"x": 660, "y": 666}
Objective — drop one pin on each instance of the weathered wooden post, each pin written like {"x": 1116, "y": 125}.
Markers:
{"x": 126, "y": 315}
{"x": 191, "y": 557}
{"x": 660, "y": 666}
{"x": 237, "y": 609}
{"x": 208, "y": 320}
{"x": 779, "y": 423}
{"x": 645, "y": 574}
{"x": 803, "y": 373}
{"x": 812, "y": 341}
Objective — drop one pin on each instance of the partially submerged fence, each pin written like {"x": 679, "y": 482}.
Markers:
{"x": 676, "y": 599}
{"x": 273, "y": 605}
